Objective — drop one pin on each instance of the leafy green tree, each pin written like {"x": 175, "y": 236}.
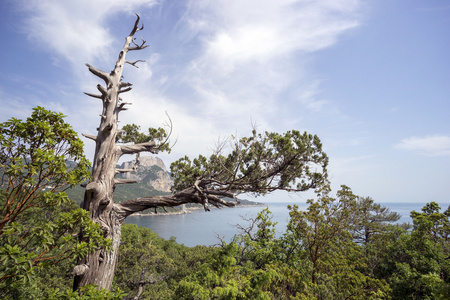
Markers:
{"x": 259, "y": 164}
{"x": 320, "y": 236}
{"x": 257, "y": 241}
{"x": 150, "y": 267}
{"x": 371, "y": 219}
{"x": 40, "y": 158}
{"x": 241, "y": 269}
{"x": 416, "y": 265}
{"x": 223, "y": 278}
{"x": 143, "y": 262}
{"x": 374, "y": 228}
{"x": 322, "y": 224}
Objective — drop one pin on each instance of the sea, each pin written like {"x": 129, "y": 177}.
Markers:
{"x": 209, "y": 228}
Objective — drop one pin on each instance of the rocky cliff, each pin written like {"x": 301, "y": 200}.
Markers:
{"x": 151, "y": 171}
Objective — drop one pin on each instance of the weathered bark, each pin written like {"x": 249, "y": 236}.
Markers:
{"x": 257, "y": 165}
{"x": 98, "y": 268}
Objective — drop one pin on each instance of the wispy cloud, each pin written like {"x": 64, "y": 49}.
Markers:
{"x": 240, "y": 61}
{"x": 436, "y": 145}
{"x": 253, "y": 53}
{"x": 75, "y": 30}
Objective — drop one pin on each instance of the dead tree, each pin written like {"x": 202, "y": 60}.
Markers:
{"x": 98, "y": 268}
{"x": 257, "y": 165}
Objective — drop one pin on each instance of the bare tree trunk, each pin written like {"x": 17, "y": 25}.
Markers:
{"x": 258, "y": 165}
{"x": 99, "y": 268}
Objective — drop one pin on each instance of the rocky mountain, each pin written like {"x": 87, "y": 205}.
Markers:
{"x": 152, "y": 179}
{"x": 151, "y": 171}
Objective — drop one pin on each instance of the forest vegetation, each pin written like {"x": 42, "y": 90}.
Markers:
{"x": 346, "y": 247}
{"x": 343, "y": 246}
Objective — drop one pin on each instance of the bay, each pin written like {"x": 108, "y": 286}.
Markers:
{"x": 205, "y": 228}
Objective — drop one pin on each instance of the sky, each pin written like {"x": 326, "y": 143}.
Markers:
{"x": 370, "y": 78}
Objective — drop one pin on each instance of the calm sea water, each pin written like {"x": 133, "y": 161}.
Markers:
{"x": 204, "y": 228}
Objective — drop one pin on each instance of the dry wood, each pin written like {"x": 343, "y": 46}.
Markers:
{"x": 98, "y": 268}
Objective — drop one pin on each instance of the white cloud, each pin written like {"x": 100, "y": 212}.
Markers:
{"x": 436, "y": 145}
{"x": 247, "y": 61}
{"x": 75, "y": 30}
{"x": 259, "y": 31}
{"x": 254, "y": 53}
{"x": 229, "y": 63}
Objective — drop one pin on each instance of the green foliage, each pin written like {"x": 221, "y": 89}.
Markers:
{"x": 334, "y": 262}
{"x": 340, "y": 247}
{"x": 160, "y": 264}
{"x": 318, "y": 257}
{"x": 39, "y": 226}
{"x": 87, "y": 292}
{"x": 416, "y": 265}
{"x": 131, "y": 133}
{"x": 257, "y": 241}
{"x": 33, "y": 163}
{"x": 258, "y": 164}
{"x": 372, "y": 218}
{"x": 324, "y": 224}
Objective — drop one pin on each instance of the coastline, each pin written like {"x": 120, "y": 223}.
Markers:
{"x": 190, "y": 211}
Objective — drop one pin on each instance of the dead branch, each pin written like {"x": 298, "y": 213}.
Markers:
{"x": 142, "y": 147}
{"x": 94, "y": 96}
{"x": 189, "y": 195}
{"x": 125, "y": 90}
{"x": 99, "y": 73}
{"x": 101, "y": 89}
{"x": 136, "y": 46}
{"x": 136, "y": 26}
{"x": 124, "y": 181}
{"x": 92, "y": 137}
{"x": 134, "y": 63}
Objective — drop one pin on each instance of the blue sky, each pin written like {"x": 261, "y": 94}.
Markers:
{"x": 370, "y": 78}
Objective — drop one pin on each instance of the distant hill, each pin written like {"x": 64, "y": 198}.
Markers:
{"x": 153, "y": 179}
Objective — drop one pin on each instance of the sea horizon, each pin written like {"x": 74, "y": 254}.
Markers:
{"x": 209, "y": 228}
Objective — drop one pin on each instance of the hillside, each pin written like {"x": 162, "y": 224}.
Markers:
{"x": 153, "y": 179}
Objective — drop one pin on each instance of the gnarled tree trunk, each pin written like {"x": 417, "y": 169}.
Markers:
{"x": 99, "y": 268}
{"x": 261, "y": 164}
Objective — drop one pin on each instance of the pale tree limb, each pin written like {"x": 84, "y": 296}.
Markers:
{"x": 142, "y": 147}
{"x": 189, "y": 195}
{"x": 125, "y": 84}
{"x": 125, "y": 90}
{"x": 89, "y": 136}
{"x": 101, "y": 89}
{"x": 134, "y": 62}
{"x": 136, "y": 26}
{"x": 138, "y": 47}
{"x": 94, "y": 95}
{"x": 99, "y": 73}
{"x": 125, "y": 170}
{"x": 124, "y": 181}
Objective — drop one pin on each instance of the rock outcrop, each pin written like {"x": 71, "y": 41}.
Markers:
{"x": 151, "y": 171}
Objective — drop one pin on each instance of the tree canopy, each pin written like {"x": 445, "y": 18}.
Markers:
{"x": 39, "y": 159}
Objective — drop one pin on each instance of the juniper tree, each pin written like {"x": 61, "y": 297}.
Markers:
{"x": 259, "y": 164}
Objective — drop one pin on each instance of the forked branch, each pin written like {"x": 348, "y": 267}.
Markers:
{"x": 134, "y": 62}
